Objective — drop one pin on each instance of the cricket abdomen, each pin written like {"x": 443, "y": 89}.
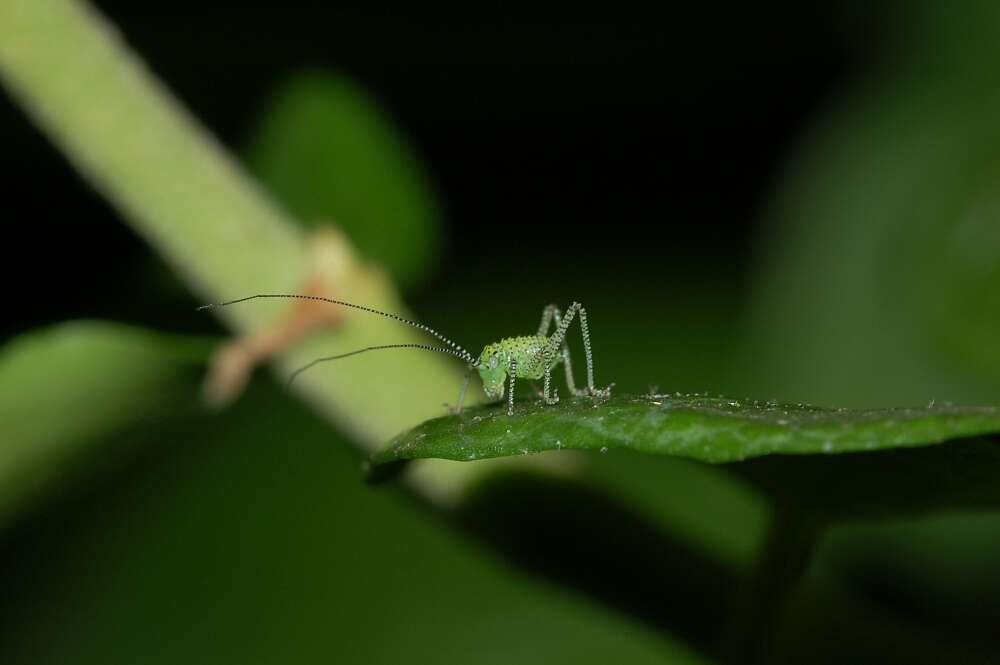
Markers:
{"x": 527, "y": 351}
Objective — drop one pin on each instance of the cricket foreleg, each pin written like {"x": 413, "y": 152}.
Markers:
{"x": 461, "y": 394}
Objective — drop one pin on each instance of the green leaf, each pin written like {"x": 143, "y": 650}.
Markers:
{"x": 329, "y": 153}
{"x": 67, "y": 387}
{"x": 714, "y": 430}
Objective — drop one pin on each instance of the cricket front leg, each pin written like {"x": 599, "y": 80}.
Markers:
{"x": 461, "y": 394}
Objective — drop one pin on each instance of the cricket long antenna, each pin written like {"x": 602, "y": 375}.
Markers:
{"x": 453, "y": 349}
{"x": 425, "y": 347}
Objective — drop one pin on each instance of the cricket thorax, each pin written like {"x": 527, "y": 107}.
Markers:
{"x": 526, "y": 354}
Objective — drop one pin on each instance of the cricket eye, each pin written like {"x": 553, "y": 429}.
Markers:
{"x": 493, "y": 362}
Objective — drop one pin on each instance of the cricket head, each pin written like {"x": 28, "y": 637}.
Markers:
{"x": 493, "y": 366}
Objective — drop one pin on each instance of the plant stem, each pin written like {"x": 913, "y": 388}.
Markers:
{"x": 787, "y": 551}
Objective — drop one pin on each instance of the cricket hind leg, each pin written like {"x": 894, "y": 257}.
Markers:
{"x": 550, "y": 313}
{"x": 549, "y": 395}
{"x": 570, "y": 381}
{"x": 557, "y": 345}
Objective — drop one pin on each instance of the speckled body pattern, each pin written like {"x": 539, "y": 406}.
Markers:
{"x": 529, "y": 349}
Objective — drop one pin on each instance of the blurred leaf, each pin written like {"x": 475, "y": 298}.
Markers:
{"x": 881, "y": 256}
{"x": 703, "y": 505}
{"x": 66, "y": 387}
{"x": 330, "y": 154}
{"x": 830, "y": 621}
{"x": 670, "y": 583}
{"x": 714, "y": 430}
{"x": 879, "y": 484}
{"x": 948, "y": 561}
{"x": 249, "y": 538}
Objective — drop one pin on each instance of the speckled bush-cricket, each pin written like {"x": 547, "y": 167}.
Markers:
{"x": 500, "y": 364}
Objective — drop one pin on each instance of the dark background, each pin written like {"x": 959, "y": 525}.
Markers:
{"x": 673, "y": 128}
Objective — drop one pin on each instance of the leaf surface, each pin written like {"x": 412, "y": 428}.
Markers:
{"x": 714, "y": 430}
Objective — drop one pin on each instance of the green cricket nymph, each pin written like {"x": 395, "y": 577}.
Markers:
{"x": 501, "y": 363}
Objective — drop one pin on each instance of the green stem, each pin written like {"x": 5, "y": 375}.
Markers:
{"x": 124, "y": 133}
{"x": 787, "y": 551}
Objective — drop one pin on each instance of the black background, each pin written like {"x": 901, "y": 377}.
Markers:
{"x": 637, "y": 141}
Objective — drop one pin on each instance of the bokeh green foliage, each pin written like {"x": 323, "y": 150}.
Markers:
{"x": 69, "y": 388}
{"x": 878, "y": 284}
{"x": 329, "y": 152}
{"x": 248, "y": 536}
{"x": 879, "y": 268}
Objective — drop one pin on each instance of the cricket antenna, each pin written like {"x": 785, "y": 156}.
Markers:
{"x": 425, "y": 347}
{"x": 453, "y": 349}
